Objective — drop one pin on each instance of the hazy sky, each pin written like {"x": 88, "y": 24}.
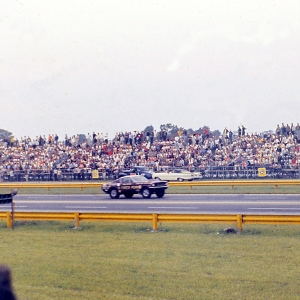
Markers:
{"x": 81, "y": 66}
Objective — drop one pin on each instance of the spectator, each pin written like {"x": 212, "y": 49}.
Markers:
{"x": 297, "y": 130}
{"x": 278, "y": 130}
{"x": 292, "y": 128}
{"x": 225, "y": 132}
{"x": 151, "y": 137}
{"x": 288, "y": 129}
{"x": 243, "y": 130}
{"x": 230, "y": 136}
{"x": 239, "y": 131}
{"x": 6, "y": 289}
{"x": 283, "y": 130}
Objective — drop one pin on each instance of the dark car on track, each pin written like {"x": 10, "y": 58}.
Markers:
{"x": 137, "y": 170}
{"x": 135, "y": 184}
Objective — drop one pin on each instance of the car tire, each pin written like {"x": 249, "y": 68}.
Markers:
{"x": 114, "y": 194}
{"x": 157, "y": 178}
{"x": 160, "y": 193}
{"x": 146, "y": 193}
{"x": 128, "y": 195}
{"x": 180, "y": 179}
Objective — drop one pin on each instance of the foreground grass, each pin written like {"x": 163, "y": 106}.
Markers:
{"x": 50, "y": 260}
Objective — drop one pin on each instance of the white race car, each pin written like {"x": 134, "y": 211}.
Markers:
{"x": 176, "y": 175}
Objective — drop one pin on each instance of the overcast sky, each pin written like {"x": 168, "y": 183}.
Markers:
{"x": 80, "y": 66}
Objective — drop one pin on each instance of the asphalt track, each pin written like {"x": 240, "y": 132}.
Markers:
{"x": 265, "y": 204}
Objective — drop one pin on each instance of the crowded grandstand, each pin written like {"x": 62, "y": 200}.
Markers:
{"x": 230, "y": 154}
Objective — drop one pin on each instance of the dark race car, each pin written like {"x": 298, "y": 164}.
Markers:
{"x": 137, "y": 170}
{"x": 135, "y": 184}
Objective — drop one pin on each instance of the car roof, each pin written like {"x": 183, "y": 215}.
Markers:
{"x": 133, "y": 176}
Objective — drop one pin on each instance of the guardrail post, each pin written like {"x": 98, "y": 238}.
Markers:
{"x": 154, "y": 222}
{"x": 8, "y": 220}
{"x": 12, "y": 214}
{"x": 77, "y": 220}
{"x": 240, "y": 222}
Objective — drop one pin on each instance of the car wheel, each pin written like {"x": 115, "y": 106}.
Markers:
{"x": 114, "y": 194}
{"x": 146, "y": 193}
{"x": 128, "y": 195}
{"x": 160, "y": 193}
{"x": 180, "y": 179}
{"x": 157, "y": 178}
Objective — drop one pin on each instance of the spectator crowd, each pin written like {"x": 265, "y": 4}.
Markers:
{"x": 52, "y": 158}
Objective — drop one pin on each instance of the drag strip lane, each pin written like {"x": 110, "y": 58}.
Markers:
{"x": 194, "y": 203}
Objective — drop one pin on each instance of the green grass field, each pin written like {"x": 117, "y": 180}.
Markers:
{"x": 50, "y": 260}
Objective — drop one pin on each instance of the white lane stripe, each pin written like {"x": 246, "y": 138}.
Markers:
{"x": 85, "y": 207}
{"x": 174, "y": 207}
{"x": 271, "y": 198}
{"x": 242, "y": 202}
{"x": 55, "y": 196}
{"x": 273, "y": 208}
{"x": 167, "y": 194}
{"x": 9, "y": 206}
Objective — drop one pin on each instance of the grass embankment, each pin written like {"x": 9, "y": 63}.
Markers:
{"x": 50, "y": 260}
{"x": 267, "y": 189}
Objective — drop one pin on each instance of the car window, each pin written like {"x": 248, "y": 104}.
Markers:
{"x": 139, "y": 179}
{"x": 125, "y": 180}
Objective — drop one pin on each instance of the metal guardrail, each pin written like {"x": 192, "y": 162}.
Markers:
{"x": 48, "y": 185}
{"x": 82, "y": 185}
{"x": 155, "y": 219}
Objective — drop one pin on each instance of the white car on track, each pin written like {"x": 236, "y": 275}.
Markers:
{"x": 176, "y": 175}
